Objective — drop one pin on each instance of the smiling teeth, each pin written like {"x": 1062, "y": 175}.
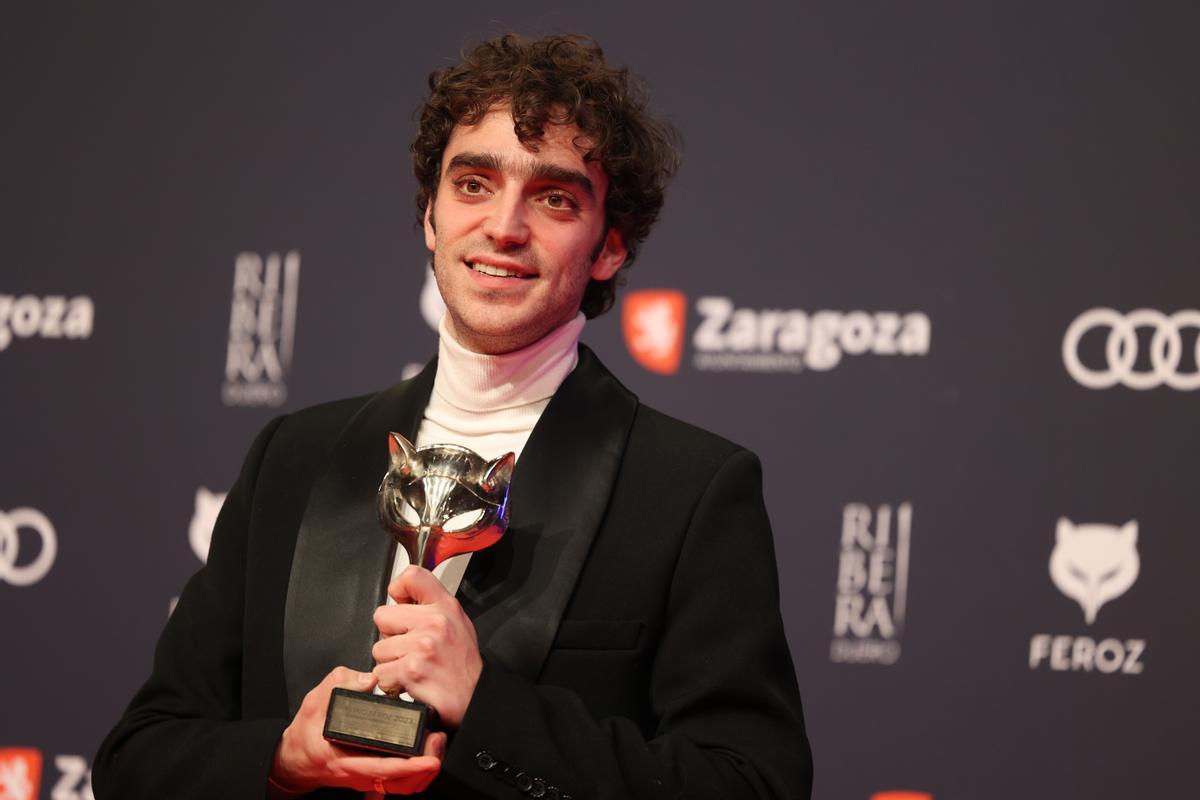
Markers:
{"x": 497, "y": 272}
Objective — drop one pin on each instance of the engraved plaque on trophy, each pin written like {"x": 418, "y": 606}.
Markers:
{"x": 436, "y": 502}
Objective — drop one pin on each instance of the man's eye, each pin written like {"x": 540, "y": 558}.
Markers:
{"x": 472, "y": 187}
{"x": 558, "y": 201}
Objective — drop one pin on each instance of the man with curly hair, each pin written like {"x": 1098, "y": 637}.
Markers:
{"x": 622, "y": 640}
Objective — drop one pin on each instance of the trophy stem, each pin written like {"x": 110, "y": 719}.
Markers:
{"x": 423, "y": 536}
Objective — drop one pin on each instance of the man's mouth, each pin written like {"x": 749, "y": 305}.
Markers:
{"x": 496, "y": 272}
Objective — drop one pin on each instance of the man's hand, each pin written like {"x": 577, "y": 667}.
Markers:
{"x": 427, "y": 646}
{"x": 304, "y": 760}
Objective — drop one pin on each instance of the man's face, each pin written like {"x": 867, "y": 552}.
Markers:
{"x": 514, "y": 232}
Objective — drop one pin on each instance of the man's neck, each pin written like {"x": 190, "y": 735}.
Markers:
{"x": 477, "y": 382}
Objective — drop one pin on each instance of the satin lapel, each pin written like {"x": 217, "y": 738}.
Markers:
{"x": 516, "y": 591}
{"x": 343, "y": 558}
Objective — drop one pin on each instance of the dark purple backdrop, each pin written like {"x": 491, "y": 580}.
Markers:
{"x": 995, "y": 170}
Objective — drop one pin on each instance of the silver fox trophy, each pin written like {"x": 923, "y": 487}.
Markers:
{"x": 436, "y": 502}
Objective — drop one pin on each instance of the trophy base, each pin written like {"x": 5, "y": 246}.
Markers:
{"x": 378, "y": 722}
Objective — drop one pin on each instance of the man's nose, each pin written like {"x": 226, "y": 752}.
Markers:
{"x": 506, "y": 224}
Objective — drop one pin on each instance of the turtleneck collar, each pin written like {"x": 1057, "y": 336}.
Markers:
{"x": 479, "y": 383}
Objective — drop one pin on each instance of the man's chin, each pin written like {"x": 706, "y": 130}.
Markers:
{"x": 494, "y": 336}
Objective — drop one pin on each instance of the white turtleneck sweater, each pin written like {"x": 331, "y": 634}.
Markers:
{"x": 490, "y": 404}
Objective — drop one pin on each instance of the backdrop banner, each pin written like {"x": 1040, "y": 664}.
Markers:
{"x": 935, "y": 263}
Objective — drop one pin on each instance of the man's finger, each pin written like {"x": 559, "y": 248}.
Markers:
{"x": 389, "y": 648}
{"x": 417, "y": 585}
{"x": 435, "y": 745}
{"x": 390, "y": 767}
{"x": 400, "y": 618}
{"x": 346, "y": 678}
{"x": 339, "y": 678}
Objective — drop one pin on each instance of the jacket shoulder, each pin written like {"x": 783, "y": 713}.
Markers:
{"x": 669, "y": 443}
{"x": 324, "y": 419}
{"x": 658, "y": 440}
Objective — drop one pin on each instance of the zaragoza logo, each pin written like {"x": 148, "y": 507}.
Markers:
{"x": 52, "y": 317}
{"x": 729, "y": 338}
{"x": 654, "y": 321}
{"x": 20, "y": 773}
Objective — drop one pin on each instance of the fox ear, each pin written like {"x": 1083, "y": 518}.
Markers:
{"x": 1065, "y": 528}
{"x": 498, "y": 474}
{"x": 1129, "y": 531}
{"x": 402, "y": 453}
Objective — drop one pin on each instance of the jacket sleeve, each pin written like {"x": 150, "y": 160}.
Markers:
{"x": 723, "y": 688}
{"x": 183, "y": 734}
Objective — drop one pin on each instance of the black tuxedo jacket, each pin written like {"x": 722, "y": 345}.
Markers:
{"x": 628, "y": 620}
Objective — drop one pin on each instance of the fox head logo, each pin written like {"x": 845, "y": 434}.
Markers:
{"x": 20, "y": 773}
{"x": 1093, "y": 564}
{"x": 432, "y": 305}
{"x": 653, "y": 322}
{"x": 208, "y": 505}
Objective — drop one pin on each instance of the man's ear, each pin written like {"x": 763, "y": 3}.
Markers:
{"x": 611, "y": 257}
{"x": 430, "y": 232}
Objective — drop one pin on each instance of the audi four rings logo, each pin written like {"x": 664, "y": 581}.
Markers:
{"x": 10, "y": 542}
{"x": 1121, "y": 349}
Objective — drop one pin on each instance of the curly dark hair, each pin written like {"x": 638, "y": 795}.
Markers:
{"x": 558, "y": 80}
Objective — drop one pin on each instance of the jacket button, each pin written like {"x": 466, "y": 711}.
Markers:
{"x": 484, "y": 760}
{"x": 552, "y": 793}
{"x": 524, "y": 782}
{"x": 537, "y": 788}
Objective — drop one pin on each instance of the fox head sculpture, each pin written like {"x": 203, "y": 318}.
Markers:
{"x": 442, "y": 500}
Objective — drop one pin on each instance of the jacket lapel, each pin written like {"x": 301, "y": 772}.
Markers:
{"x": 343, "y": 558}
{"x": 516, "y": 590}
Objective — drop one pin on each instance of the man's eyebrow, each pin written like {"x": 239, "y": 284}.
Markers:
{"x": 551, "y": 173}
{"x": 537, "y": 171}
{"x": 487, "y": 161}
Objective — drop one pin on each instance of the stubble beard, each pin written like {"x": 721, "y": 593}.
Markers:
{"x": 475, "y": 337}
{"x": 481, "y": 327}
